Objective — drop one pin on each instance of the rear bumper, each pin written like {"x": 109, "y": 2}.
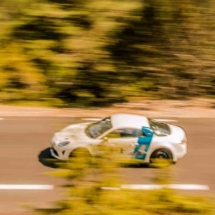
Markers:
{"x": 181, "y": 150}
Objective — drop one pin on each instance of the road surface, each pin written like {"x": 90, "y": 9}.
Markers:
{"x": 25, "y": 142}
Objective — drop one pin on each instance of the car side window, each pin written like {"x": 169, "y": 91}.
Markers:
{"x": 125, "y": 133}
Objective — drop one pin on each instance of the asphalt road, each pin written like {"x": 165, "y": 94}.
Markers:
{"x": 25, "y": 140}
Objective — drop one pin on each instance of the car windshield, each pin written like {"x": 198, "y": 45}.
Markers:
{"x": 94, "y": 130}
{"x": 159, "y": 128}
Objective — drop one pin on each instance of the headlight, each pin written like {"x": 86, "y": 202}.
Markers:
{"x": 63, "y": 143}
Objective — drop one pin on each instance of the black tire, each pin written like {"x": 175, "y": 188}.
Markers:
{"x": 161, "y": 153}
{"x": 80, "y": 152}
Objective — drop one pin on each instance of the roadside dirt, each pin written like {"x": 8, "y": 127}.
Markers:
{"x": 198, "y": 108}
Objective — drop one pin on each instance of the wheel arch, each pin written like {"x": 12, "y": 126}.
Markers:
{"x": 88, "y": 149}
{"x": 174, "y": 158}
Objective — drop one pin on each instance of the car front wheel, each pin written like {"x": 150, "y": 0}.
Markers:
{"x": 80, "y": 152}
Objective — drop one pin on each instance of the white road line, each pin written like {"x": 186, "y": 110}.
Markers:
{"x": 110, "y": 188}
{"x": 25, "y": 187}
{"x": 142, "y": 187}
{"x": 194, "y": 187}
{"x": 166, "y": 120}
{"x": 160, "y": 120}
{"x": 125, "y": 186}
{"x": 91, "y": 119}
{"x": 188, "y": 187}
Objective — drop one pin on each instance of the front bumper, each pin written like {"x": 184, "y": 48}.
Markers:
{"x": 55, "y": 154}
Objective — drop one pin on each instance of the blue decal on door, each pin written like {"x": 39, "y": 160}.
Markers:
{"x": 143, "y": 141}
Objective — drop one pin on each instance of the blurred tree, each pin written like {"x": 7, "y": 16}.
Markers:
{"x": 88, "y": 190}
{"x": 73, "y": 52}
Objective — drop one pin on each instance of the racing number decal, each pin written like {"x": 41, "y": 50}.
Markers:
{"x": 144, "y": 142}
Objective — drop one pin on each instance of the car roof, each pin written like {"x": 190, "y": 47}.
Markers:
{"x": 129, "y": 121}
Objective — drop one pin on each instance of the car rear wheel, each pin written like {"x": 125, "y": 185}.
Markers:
{"x": 161, "y": 154}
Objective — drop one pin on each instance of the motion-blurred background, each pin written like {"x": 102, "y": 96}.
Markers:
{"x": 92, "y": 52}
{"x": 95, "y": 53}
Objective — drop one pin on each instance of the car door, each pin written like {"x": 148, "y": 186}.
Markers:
{"x": 124, "y": 139}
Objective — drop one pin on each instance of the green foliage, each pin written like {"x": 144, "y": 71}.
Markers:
{"x": 86, "y": 176}
{"x": 90, "y": 53}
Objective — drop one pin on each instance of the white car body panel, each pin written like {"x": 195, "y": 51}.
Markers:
{"x": 77, "y": 137}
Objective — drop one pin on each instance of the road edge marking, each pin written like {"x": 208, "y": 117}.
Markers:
{"x": 91, "y": 119}
{"x": 166, "y": 120}
{"x": 159, "y": 120}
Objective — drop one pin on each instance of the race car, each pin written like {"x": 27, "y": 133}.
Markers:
{"x": 137, "y": 136}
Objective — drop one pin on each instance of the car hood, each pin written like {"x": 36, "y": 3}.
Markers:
{"x": 74, "y": 133}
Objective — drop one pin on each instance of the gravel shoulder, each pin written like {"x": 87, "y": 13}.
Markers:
{"x": 195, "y": 108}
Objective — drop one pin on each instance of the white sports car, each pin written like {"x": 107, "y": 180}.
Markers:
{"x": 137, "y": 136}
